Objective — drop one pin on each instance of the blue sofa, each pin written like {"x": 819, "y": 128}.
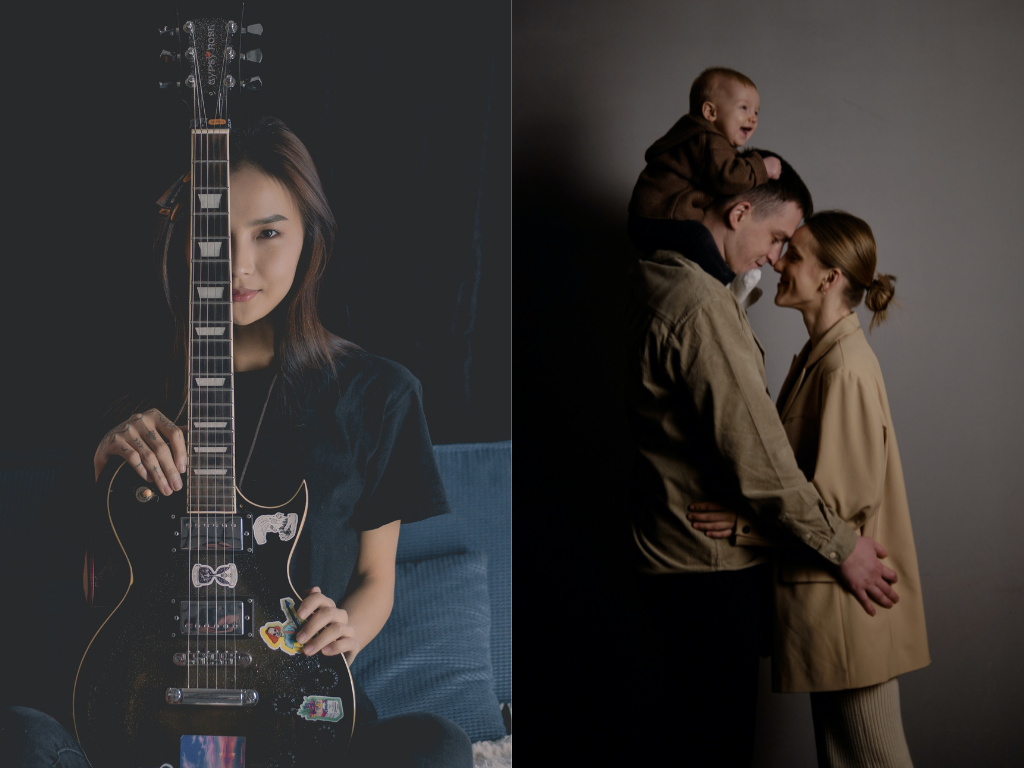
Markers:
{"x": 447, "y": 647}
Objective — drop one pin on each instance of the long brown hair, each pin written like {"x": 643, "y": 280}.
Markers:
{"x": 302, "y": 344}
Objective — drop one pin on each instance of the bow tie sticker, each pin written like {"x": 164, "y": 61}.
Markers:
{"x": 204, "y": 575}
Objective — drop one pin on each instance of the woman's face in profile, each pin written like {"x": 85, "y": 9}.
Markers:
{"x": 800, "y": 272}
{"x": 266, "y": 241}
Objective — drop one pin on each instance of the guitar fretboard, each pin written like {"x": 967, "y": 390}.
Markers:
{"x": 211, "y": 428}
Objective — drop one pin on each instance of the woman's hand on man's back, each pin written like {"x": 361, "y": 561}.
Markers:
{"x": 151, "y": 444}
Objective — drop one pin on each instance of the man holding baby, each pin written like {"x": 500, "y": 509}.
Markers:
{"x": 707, "y": 433}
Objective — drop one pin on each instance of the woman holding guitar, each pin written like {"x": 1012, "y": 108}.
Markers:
{"x": 307, "y": 406}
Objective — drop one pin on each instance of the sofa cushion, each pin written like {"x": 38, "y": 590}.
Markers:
{"x": 433, "y": 655}
{"x": 478, "y": 481}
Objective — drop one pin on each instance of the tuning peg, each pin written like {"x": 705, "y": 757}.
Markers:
{"x": 253, "y": 83}
{"x": 166, "y": 57}
{"x": 255, "y": 56}
{"x": 253, "y": 29}
{"x": 168, "y": 86}
{"x": 167, "y": 31}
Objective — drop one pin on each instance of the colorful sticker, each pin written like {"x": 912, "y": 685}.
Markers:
{"x": 280, "y": 635}
{"x": 326, "y": 708}
{"x": 213, "y": 752}
{"x": 205, "y": 575}
{"x": 285, "y": 526}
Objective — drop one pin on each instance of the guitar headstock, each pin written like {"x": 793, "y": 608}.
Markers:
{"x": 204, "y": 60}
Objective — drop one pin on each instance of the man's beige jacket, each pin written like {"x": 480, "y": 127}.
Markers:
{"x": 707, "y": 430}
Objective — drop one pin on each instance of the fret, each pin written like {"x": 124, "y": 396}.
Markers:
{"x": 213, "y": 395}
{"x": 202, "y": 366}
{"x": 210, "y": 411}
{"x": 210, "y": 472}
{"x": 210, "y": 312}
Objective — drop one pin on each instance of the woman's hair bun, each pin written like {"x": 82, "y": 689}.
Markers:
{"x": 879, "y": 296}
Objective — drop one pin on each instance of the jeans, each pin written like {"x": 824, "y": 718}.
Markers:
{"x": 32, "y": 739}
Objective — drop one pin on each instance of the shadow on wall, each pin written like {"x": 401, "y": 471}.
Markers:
{"x": 571, "y": 256}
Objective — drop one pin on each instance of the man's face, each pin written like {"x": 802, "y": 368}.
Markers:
{"x": 751, "y": 242}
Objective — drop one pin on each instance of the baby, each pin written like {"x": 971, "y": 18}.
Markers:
{"x": 697, "y": 161}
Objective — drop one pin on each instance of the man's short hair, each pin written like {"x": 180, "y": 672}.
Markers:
{"x": 766, "y": 199}
{"x": 703, "y": 88}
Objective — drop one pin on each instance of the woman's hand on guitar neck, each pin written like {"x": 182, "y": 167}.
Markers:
{"x": 151, "y": 444}
{"x": 322, "y": 615}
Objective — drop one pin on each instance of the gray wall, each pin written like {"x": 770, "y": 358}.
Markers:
{"x": 909, "y": 116}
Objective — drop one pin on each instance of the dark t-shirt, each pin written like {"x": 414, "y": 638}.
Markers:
{"x": 361, "y": 443}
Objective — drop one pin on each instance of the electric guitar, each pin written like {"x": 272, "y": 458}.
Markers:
{"x": 197, "y": 664}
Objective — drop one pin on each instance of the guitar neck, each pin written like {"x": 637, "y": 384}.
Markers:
{"x": 211, "y": 428}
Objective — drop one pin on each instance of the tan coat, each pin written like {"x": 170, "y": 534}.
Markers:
{"x": 836, "y": 414}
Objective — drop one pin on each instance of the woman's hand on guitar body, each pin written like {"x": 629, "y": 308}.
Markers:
{"x": 322, "y": 615}
{"x": 151, "y": 444}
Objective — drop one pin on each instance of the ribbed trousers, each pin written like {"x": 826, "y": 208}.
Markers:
{"x": 860, "y": 728}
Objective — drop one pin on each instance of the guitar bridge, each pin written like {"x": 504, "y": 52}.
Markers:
{"x": 212, "y": 697}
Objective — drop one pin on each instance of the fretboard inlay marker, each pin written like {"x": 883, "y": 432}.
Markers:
{"x": 210, "y": 201}
{"x": 210, "y": 249}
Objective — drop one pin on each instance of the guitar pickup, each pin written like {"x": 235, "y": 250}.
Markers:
{"x": 213, "y": 659}
{"x": 224, "y": 532}
{"x": 223, "y": 618}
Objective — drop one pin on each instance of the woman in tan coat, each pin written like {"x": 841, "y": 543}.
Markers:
{"x": 835, "y": 411}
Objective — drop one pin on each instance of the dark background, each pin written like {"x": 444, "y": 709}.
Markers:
{"x": 405, "y": 108}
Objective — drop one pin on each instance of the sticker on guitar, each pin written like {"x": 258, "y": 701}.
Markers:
{"x": 205, "y": 575}
{"x": 213, "y": 752}
{"x": 285, "y": 526}
{"x": 326, "y": 708}
{"x": 280, "y": 635}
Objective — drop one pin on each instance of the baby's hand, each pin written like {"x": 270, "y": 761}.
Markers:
{"x": 773, "y": 166}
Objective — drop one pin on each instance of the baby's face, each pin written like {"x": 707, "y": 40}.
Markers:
{"x": 736, "y": 108}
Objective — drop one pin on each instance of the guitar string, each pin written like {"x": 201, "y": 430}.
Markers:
{"x": 235, "y": 518}
{"x": 202, "y": 630}
{"x": 192, "y": 616}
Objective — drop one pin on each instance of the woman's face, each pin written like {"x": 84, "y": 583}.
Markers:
{"x": 266, "y": 241}
{"x": 800, "y": 273}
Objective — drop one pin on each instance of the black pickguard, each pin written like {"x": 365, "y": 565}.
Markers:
{"x": 121, "y": 715}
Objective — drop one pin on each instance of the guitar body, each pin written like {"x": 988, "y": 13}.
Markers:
{"x": 303, "y": 710}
